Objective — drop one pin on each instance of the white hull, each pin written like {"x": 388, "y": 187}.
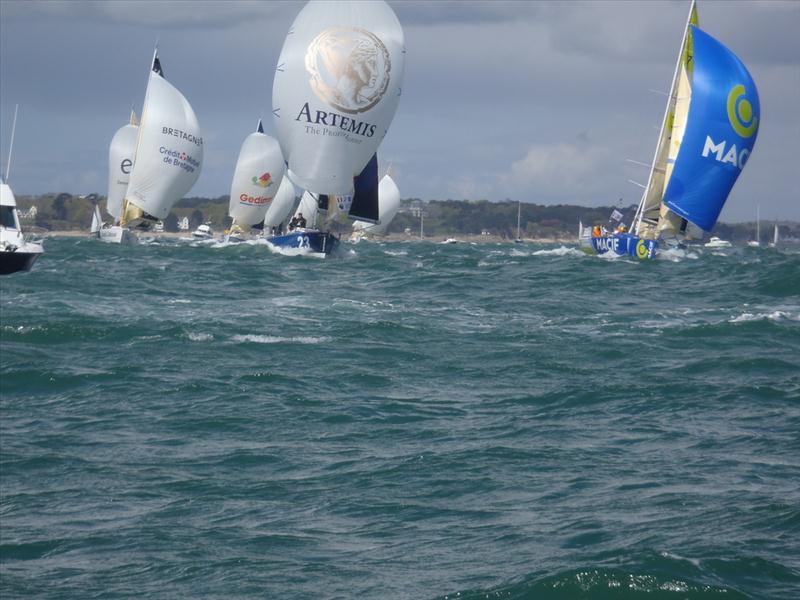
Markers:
{"x": 716, "y": 242}
{"x": 117, "y": 235}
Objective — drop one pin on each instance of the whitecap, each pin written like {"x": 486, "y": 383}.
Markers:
{"x": 566, "y": 251}
{"x": 775, "y": 315}
{"x": 199, "y": 337}
{"x": 273, "y": 339}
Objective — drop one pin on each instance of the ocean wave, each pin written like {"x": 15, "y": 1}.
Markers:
{"x": 272, "y": 339}
{"x": 562, "y": 251}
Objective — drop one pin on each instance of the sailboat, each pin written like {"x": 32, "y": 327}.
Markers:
{"x": 757, "y": 242}
{"x": 97, "y": 222}
{"x": 709, "y": 129}
{"x": 336, "y": 89}
{"x": 518, "y": 240}
{"x": 775, "y": 237}
{"x": 258, "y": 172}
{"x": 168, "y": 155}
{"x": 16, "y": 253}
{"x": 120, "y": 161}
{"x": 388, "y": 207}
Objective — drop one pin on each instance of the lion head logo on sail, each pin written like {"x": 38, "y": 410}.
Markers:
{"x": 349, "y": 68}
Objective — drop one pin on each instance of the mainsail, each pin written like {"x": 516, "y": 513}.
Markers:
{"x": 120, "y": 163}
{"x": 259, "y": 170}
{"x": 336, "y": 89}
{"x": 650, "y": 217}
{"x": 169, "y": 151}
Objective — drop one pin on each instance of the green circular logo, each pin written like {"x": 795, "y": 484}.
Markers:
{"x": 641, "y": 250}
{"x": 740, "y": 112}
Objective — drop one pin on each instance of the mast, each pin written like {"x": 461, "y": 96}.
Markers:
{"x": 758, "y": 222}
{"x": 519, "y": 210}
{"x": 11, "y": 145}
{"x": 655, "y": 167}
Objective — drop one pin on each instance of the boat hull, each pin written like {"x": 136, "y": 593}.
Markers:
{"x": 19, "y": 260}
{"x": 620, "y": 244}
{"x": 117, "y": 235}
{"x": 305, "y": 242}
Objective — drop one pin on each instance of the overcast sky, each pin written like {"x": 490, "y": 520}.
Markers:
{"x": 541, "y": 101}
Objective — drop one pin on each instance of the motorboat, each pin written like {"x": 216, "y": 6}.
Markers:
{"x": 203, "y": 232}
{"x": 716, "y": 242}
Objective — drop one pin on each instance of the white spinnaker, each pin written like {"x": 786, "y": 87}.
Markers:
{"x": 281, "y": 205}
{"x": 120, "y": 164}
{"x": 169, "y": 154}
{"x": 388, "y": 205}
{"x": 336, "y": 89}
{"x": 256, "y": 179}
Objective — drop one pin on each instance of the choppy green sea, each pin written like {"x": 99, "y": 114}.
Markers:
{"x": 406, "y": 421}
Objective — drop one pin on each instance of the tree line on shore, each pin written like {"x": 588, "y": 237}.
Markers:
{"x": 65, "y": 212}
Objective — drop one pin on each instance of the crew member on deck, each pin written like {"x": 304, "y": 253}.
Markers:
{"x": 301, "y": 220}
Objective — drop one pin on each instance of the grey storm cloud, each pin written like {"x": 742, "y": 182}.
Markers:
{"x": 537, "y": 101}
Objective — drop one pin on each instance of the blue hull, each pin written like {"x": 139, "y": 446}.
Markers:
{"x": 621, "y": 244}
{"x": 308, "y": 241}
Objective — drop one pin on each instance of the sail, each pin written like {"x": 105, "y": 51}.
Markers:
{"x": 309, "y": 208}
{"x": 388, "y": 207}
{"x": 672, "y": 128}
{"x": 281, "y": 205}
{"x": 97, "y": 220}
{"x": 258, "y": 171}
{"x": 364, "y": 205}
{"x": 169, "y": 154}
{"x": 720, "y": 133}
{"x": 336, "y": 89}
{"x": 120, "y": 164}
